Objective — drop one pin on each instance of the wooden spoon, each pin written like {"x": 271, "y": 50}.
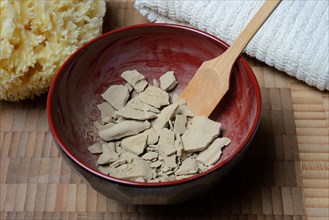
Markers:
{"x": 211, "y": 81}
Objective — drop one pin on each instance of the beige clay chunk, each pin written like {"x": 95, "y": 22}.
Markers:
{"x": 107, "y": 120}
{"x": 119, "y": 162}
{"x": 170, "y": 160}
{"x": 104, "y": 168}
{"x": 212, "y": 154}
{"x": 154, "y": 96}
{"x": 117, "y": 96}
{"x": 131, "y": 113}
{"x": 156, "y": 164}
{"x": 123, "y": 129}
{"x": 135, "y": 144}
{"x": 182, "y": 108}
{"x": 164, "y": 116}
{"x": 135, "y": 79}
{"x": 168, "y": 81}
{"x": 129, "y": 87}
{"x": 106, "y": 109}
{"x": 156, "y": 83}
{"x": 95, "y": 148}
{"x": 178, "y": 145}
{"x": 189, "y": 166}
{"x": 138, "y": 168}
{"x": 201, "y": 133}
{"x": 137, "y": 104}
{"x": 166, "y": 142}
{"x": 152, "y": 136}
{"x": 128, "y": 156}
{"x": 104, "y": 126}
{"x": 140, "y": 179}
{"x": 150, "y": 156}
{"x": 180, "y": 124}
{"x": 108, "y": 155}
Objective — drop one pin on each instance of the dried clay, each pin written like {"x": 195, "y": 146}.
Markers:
{"x": 116, "y": 96}
{"x": 135, "y": 79}
{"x": 168, "y": 81}
{"x": 153, "y": 137}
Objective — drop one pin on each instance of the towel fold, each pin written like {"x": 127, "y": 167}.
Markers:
{"x": 294, "y": 39}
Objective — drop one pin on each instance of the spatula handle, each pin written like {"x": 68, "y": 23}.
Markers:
{"x": 250, "y": 30}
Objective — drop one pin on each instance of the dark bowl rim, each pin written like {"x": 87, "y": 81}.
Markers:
{"x": 70, "y": 154}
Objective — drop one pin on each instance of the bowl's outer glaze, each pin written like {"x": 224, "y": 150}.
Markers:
{"x": 152, "y": 49}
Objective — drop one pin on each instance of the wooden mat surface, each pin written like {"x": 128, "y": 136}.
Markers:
{"x": 284, "y": 176}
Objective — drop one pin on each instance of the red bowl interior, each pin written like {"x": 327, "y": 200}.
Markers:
{"x": 152, "y": 49}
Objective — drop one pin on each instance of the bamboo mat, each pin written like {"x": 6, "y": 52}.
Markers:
{"x": 284, "y": 176}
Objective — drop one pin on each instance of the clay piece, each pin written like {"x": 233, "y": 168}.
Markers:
{"x": 212, "y": 154}
{"x": 201, "y": 133}
{"x": 166, "y": 142}
{"x": 117, "y": 96}
{"x": 154, "y": 96}
{"x": 170, "y": 160}
{"x": 153, "y": 137}
{"x": 178, "y": 145}
{"x": 131, "y": 113}
{"x": 168, "y": 81}
{"x": 150, "y": 156}
{"x": 119, "y": 162}
{"x": 107, "y": 120}
{"x": 180, "y": 124}
{"x": 182, "y": 106}
{"x": 95, "y": 148}
{"x": 189, "y": 166}
{"x": 138, "y": 168}
{"x": 103, "y": 169}
{"x": 106, "y": 109}
{"x": 128, "y": 156}
{"x": 156, "y": 164}
{"x": 137, "y": 104}
{"x": 164, "y": 116}
{"x": 129, "y": 87}
{"x": 135, "y": 144}
{"x": 140, "y": 179}
{"x": 108, "y": 156}
{"x": 135, "y": 79}
{"x": 100, "y": 126}
{"x": 123, "y": 129}
{"x": 156, "y": 83}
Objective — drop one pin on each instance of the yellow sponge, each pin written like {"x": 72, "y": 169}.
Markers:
{"x": 36, "y": 38}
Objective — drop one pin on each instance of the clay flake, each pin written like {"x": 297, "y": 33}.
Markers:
{"x": 168, "y": 81}
{"x": 201, "y": 133}
{"x": 154, "y": 96}
{"x": 135, "y": 79}
{"x": 117, "y": 96}
{"x": 135, "y": 144}
{"x": 147, "y": 135}
{"x": 123, "y": 129}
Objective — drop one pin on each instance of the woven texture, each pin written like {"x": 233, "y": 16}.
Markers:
{"x": 294, "y": 39}
{"x": 284, "y": 176}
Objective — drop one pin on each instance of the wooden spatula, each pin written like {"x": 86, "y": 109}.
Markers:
{"x": 211, "y": 81}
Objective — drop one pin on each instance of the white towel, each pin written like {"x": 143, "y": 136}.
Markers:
{"x": 294, "y": 39}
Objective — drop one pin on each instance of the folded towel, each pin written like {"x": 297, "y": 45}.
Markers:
{"x": 294, "y": 39}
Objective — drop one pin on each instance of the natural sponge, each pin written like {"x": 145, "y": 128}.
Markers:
{"x": 37, "y": 36}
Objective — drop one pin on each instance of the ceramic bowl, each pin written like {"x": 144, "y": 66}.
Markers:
{"x": 152, "y": 49}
